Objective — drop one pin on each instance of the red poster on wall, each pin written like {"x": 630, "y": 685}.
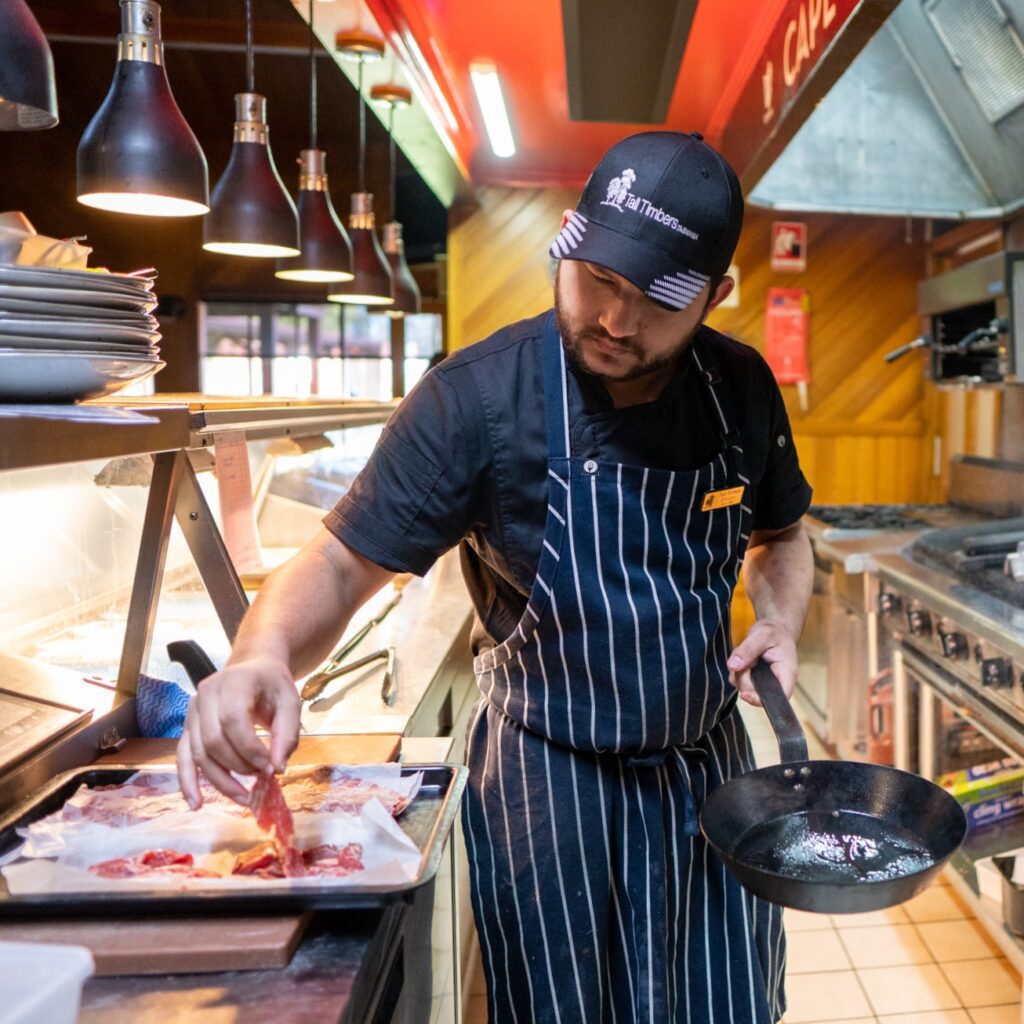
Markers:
{"x": 789, "y": 245}
{"x": 786, "y": 334}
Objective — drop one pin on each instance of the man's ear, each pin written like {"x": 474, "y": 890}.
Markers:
{"x": 566, "y": 214}
{"x": 722, "y": 292}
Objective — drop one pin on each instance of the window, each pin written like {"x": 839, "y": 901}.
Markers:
{"x": 325, "y": 350}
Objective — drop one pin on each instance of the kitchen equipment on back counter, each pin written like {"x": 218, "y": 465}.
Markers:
{"x": 976, "y": 318}
{"x": 840, "y": 649}
{"x": 829, "y": 836}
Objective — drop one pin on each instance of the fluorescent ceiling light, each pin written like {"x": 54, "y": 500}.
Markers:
{"x": 492, "y": 106}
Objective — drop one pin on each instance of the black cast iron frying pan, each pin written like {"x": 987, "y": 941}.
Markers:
{"x": 829, "y": 836}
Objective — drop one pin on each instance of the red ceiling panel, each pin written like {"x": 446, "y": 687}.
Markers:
{"x": 725, "y": 51}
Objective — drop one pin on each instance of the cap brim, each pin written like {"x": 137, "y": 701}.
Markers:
{"x": 661, "y": 279}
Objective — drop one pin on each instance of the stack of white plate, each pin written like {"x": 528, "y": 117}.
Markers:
{"x": 71, "y": 334}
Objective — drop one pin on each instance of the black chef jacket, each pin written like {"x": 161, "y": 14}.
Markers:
{"x": 463, "y": 460}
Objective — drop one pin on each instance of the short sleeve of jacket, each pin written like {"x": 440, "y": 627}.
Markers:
{"x": 413, "y": 500}
{"x": 783, "y": 494}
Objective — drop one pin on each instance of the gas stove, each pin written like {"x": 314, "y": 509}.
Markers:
{"x": 960, "y": 618}
{"x": 869, "y": 517}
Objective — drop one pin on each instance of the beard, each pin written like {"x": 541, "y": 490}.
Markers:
{"x": 575, "y": 333}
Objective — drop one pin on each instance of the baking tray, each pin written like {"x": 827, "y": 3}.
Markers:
{"x": 427, "y": 821}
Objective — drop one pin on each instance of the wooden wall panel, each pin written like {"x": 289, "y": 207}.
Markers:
{"x": 498, "y": 267}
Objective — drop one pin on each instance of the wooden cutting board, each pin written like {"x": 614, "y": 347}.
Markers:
{"x": 181, "y": 946}
{"x": 206, "y": 944}
{"x": 369, "y": 748}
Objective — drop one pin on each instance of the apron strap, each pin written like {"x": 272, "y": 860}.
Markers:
{"x": 720, "y": 397}
{"x": 556, "y": 401}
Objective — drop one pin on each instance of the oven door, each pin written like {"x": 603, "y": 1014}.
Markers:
{"x": 941, "y": 725}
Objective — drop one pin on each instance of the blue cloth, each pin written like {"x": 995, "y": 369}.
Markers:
{"x": 160, "y": 707}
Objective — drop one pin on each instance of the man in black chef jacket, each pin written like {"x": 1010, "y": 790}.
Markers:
{"x": 605, "y": 469}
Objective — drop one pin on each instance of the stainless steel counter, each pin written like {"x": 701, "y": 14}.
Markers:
{"x": 431, "y": 618}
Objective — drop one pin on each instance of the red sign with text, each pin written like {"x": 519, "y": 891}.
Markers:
{"x": 789, "y": 245}
{"x": 787, "y": 333}
{"x": 798, "y": 42}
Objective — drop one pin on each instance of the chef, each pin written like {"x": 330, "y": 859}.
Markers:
{"x": 606, "y": 468}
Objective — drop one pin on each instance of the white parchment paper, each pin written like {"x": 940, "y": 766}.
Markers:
{"x": 57, "y": 852}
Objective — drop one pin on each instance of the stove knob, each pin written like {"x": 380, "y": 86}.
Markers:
{"x": 919, "y": 622}
{"x": 889, "y": 603}
{"x": 954, "y": 645}
{"x": 997, "y": 672}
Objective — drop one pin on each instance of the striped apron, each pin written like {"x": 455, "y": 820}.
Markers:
{"x": 605, "y": 720}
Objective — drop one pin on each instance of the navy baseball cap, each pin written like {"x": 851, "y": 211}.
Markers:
{"x": 664, "y": 210}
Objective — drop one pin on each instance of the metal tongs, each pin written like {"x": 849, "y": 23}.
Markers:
{"x": 317, "y": 683}
{"x": 334, "y": 666}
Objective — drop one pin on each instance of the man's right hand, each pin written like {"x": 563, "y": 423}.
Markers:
{"x": 220, "y": 727}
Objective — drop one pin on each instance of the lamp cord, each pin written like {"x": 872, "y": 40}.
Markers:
{"x": 312, "y": 80}
{"x": 250, "y": 63}
{"x": 362, "y": 130}
{"x": 391, "y": 146}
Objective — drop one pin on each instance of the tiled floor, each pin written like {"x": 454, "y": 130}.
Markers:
{"x": 925, "y": 962}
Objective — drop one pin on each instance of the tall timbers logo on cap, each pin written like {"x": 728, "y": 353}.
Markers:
{"x": 618, "y": 189}
{"x": 621, "y": 198}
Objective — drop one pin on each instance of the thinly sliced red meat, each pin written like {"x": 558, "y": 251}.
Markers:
{"x": 273, "y": 816}
{"x": 151, "y": 862}
{"x": 335, "y": 861}
{"x": 162, "y": 858}
{"x": 262, "y": 859}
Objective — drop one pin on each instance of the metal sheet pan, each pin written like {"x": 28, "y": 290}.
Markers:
{"x": 427, "y": 822}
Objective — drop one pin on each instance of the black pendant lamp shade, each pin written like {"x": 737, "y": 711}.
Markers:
{"x": 138, "y": 154}
{"x": 326, "y": 255}
{"x": 404, "y": 290}
{"x": 28, "y": 90}
{"x": 251, "y": 213}
{"x": 326, "y": 251}
{"x": 371, "y": 283}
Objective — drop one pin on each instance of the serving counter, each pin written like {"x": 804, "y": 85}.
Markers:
{"x": 114, "y": 548}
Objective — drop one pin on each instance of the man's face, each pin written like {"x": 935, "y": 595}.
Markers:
{"x": 612, "y": 330}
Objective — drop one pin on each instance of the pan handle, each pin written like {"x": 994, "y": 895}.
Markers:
{"x": 785, "y": 724}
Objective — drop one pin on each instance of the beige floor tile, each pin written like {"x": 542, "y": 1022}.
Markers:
{"x": 874, "y": 918}
{"x": 852, "y": 1020}
{"x": 957, "y": 940}
{"x": 907, "y": 989}
{"x": 935, "y": 904}
{"x": 890, "y": 945}
{"x": 930, "y": 1017}
{"x": 983, "y": 982}
{"x": 809, "y": 952}
{"x": 828, "y": 996}
{"x": 997, "y": 1014}
{"x": 800, "y": 921}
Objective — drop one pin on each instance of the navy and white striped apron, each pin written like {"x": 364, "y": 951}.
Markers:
{"x": 606, "y": 718}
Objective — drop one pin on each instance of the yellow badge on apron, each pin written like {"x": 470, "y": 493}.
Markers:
{"x": 721, "y": 499}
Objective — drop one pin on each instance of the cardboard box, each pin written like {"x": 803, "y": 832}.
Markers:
{"x": 988, "y": 792}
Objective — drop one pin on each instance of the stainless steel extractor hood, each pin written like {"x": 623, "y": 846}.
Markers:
{"x": 928, "y": 121}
